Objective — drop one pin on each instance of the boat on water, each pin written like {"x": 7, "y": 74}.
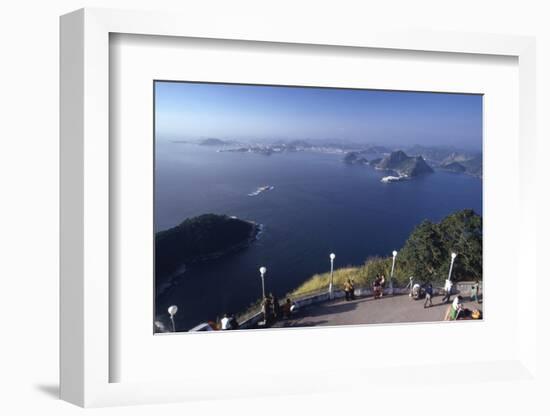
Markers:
{"x": 261, "y": 189}
{"x": 389, "y": 179}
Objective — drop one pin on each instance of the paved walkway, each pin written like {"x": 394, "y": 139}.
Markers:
{"x": 388, "y": 309}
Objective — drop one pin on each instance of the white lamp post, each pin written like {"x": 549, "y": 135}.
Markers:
{"x": 332, "y": 257}
{"x": 262, "y": 273}
{"x": 453, "y": 256}
{"x": 172, "y": 311}
{"x": 392, "y": 268}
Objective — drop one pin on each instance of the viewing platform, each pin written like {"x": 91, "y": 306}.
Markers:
{"x": 318, "y": 310}
{"x": 367, "y": 310}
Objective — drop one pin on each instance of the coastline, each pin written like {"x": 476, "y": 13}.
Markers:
{"x": 171, "y": 280}
{"x": 254, "y": 234}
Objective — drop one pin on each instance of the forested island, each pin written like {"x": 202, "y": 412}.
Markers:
{"x": 199, "y": 239}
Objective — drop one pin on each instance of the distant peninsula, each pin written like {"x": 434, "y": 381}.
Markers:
{"x": 356, "y": 158}
{"x": 471, "y": 166}
{"x": 200, "y": 239}
{"x": 215, "y": 142}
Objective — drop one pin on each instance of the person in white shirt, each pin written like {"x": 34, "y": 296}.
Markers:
{"x": 456, "y": 308}
{"x": 448, "y": 289}
{"x": 225, "y": 322}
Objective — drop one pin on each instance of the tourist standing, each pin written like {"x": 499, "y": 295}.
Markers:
{"x": 456, "y": 308}
{"x": 352, "y": 289}
{"x": 347, "y": 290}
{"x": 429, "y": 293}
{"x": 376, "y": 286}
{"x": 448, "y": 289}
{"x": 225, "y": 322}
{"x": 234, "y": 324}
{"x": 382, "y": 285}
{"x": 474, "y": 295}
{"x": 266, "y": 309}
{"x": 286, "y": 308}
{"x": 276, "y": 307}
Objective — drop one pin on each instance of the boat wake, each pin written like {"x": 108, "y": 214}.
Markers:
{"x": 262, "y": 189}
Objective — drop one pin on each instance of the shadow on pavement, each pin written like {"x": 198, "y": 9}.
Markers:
{"x": 327, "y": 308}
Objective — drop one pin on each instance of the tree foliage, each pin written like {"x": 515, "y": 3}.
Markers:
{"x": 427, "y": 253}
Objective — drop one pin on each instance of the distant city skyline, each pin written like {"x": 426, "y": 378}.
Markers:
{"x": 256, "y": 113}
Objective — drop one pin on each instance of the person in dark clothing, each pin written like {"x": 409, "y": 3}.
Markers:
{"x": 347, "y": 290}
{"x": 286, "y": 308}
{"x": 376, "y": 286}
{"x": 276, "y": 308}
{"x": 234, "y": 324}
{"x": 266, "y": 309}
{"x": 429, "y": 291}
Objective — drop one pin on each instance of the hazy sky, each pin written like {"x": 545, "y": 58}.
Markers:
{"x": 262, "y": 113}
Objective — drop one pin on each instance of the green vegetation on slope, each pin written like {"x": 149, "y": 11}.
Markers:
{"x": 200, "y": 238}
{"x": 426, "y": 256}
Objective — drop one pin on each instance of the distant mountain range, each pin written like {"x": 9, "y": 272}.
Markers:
{"x": 450, "y": 159}
{"x": 411, "y": 160}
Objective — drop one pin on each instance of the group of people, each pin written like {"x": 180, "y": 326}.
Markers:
{"x": 378, "y": 286}
{"x": 457, "y": 309}
{"x": 272, "y": 310}
{"x": 349, "y": 289}
{"x": 474, "y": 292}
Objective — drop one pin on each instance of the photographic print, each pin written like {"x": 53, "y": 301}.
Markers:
{"x": 291, "y": 207}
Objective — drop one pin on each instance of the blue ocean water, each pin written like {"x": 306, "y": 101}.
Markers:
{"x": 319, "y": 205}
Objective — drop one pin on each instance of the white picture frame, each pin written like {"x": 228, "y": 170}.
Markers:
{"x": 86, "y": 355}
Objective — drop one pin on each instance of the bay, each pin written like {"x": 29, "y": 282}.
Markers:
{"x": 319, "y": 205}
